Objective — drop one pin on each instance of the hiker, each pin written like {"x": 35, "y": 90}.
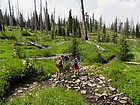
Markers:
{"x": 59, "y": 64}
{"x": 76, "y": 66}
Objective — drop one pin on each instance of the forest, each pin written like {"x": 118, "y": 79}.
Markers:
{"x": 109, "y": 58}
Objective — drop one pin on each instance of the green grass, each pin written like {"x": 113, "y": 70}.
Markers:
{"x": 49, "y": 96}
{"x": 125, "y": 78}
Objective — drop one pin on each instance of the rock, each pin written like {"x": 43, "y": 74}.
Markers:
{"x": 85, "y": 83}
{"x": 98, "y": 94}
{"x": 115, "y": 98}
{"x": 109, "y": 80}
{"x": 102, "y": 77}
{"x": 20, "y": 91}
{"x": 91, "y": 97}
{"x": 55, "y": 84}
{"x": 25, "y": 88}
{"x": 89, "y": 84}
{"x": 83, "y": 91}
{"x": 78, "y": 81}
{"x": 112, "y": 89}
{"x": 101, "y": 82}
{"x": 104, "y": 94}
{"x": 83, "y": 78}
{"x": 98, "y": 86}
{"x": 68, "y": 87}
{"x": 124, "y": 98}
{"x": 123, "y": 101}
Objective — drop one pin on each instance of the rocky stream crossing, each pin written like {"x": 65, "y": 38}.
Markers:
{"x": 95, "y": 89}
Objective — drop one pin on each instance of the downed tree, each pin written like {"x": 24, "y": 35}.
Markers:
{"x": 31, "y": 44}
{"x": 133, "y": 63}
{"x": 52, "y": 57}
{"x": 99, "y": 47}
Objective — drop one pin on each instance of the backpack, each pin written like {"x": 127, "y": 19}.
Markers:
{"x": 59, "y": 63}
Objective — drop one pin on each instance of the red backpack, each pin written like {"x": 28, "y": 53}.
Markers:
{"x": 59, "y": 63}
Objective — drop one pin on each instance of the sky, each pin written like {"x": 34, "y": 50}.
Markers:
{"x": 109, "y": 9}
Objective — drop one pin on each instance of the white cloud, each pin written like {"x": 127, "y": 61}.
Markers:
{"x": 120, "y": 8}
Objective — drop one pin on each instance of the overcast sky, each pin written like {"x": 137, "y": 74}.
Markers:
{"x": 109, "y": 9}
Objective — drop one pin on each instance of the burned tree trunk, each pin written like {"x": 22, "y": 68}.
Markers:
{"x": 10, "y": 19}
{"x": 46, "y": 17}
{"x": 83, "y": 19}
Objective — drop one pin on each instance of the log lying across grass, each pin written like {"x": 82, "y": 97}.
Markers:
{"x": 52, "y": 57}
{"x": 99, "y": 47}
{"x": 31, "y": 44}
{"x": 133, "y": 63}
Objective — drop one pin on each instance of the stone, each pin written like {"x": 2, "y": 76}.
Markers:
{"x": 83, "y": 91}
{"x": 85, "y": 83}
{"x": 98, "y": 94}
{"x": 101, "y": 82}
{"x": 78, "y": 81}
{"x": 123, "y": 101}
{"x": 112, "y": 89}
{"x": 124, "y": 98}
{"x": 20, "y": 91}
{"x": 89, "y": 84}
{"x": 25, "y": 88}
{"x": 115, "y": 98}
{"x": 102, "y": 77}
{"x": 68, "y": 87}
{"x": 104, "y": 94}
{"x": 83, "y": 78}
{"x": 99, "y": 86}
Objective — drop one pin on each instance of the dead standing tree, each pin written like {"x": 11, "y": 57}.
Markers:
{"x": 46, "y": 17}
{"x": 40, "y": 16}
{"x": 10, "y": 19}
{"x": 83, "y": 20}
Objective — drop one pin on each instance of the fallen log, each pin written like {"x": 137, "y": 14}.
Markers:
{"x": 52, "y": 57}
{"x": 133, "y": 63}
{"x": 99, "y": 47}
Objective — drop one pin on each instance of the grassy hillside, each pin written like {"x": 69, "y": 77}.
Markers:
{"x": 124, "y": 77}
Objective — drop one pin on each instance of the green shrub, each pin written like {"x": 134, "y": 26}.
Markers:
{"x": 4, "y": 36}
{"x": 25, "y": 33}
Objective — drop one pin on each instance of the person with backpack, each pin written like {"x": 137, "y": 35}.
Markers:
{"x": 76, "y": 66}
{"x": 59, "y": 64}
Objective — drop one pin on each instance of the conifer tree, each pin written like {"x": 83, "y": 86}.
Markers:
{"x": 123, "y": 52}
{"x": 126, "y": 28}
{"x": 101, "y": 22}
{"x": 6, "y": 18}
{"x": 13, "y": 17}
{"x": 96, "y": 25}
{"x": 104, "y": 33}
{"x": 70, "y": 21}
{"x": 137, "y": 30}
{"x": 1, "y": 20}
{"x": 120, "y": 27}
{"x": 90, "y": 26}
{"x": 115, "y": 27}
{"x": 133, "y": 32}
{"x": 93, "y": 23}
{"x": 59, "y": 27}
{"x": 21, "y": 21}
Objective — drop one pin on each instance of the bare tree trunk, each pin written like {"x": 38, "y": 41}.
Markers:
{"x": 83, "y": 19}
{"x": 53, "y": 23}
{"x": 35, "y": 16}
{"x": 46, "y": 17}
{"x": 41, "y": 25}
{"x": 10, "y": 20}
